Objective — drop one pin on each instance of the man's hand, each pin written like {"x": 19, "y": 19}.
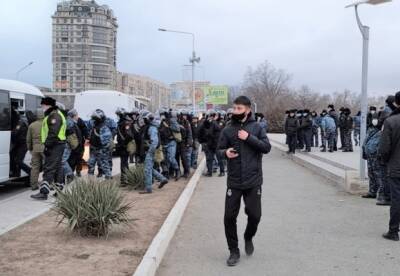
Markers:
{"x": 231, "y": 153}
{"x": 243, "y": 135}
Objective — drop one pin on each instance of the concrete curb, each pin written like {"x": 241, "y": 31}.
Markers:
{"x": 154, "y": 254}
{"x": 344, "y": 178}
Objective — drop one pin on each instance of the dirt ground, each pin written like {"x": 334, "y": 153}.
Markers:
{"x": 40, "y": 248}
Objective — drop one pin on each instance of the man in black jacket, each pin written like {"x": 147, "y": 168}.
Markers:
{"x": 291, "y": 127}
{"x": 389, "y": 152}
{"x": 347, "y": 129}
{"x": 243, "y": 141}
{"x": 306, "y": 128}
{"x": 209, "y": 133}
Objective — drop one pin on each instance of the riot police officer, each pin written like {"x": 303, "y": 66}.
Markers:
{"x": 53, "y": 136}
{"x": 126, "y": 144}
{"x": 100, "y": 144}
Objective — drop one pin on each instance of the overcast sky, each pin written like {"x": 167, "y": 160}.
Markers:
{"x": 317, "y": 41}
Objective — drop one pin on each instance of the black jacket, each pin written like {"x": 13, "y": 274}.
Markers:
{"x": 291, "y": 125}
{"x": 389, "y": 148}
{"x": 347, "y": 123}
{"x": 245, "y": 171}
{"x": 209, "y": 133}
{"x": 306, "y": 123}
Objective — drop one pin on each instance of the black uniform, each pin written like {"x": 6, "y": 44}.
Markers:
{"x": 19, "y": 148}
{"x": 54, "y": 149}
{"x": 209, "y": 133}
{"x": 244, "y": 176}
{"x": 183, "y": 149}
{"x": 306, "y": 127}
{"x": 76, "y": 159}
{"x": 291, "y": 127}
{"x": 389, "y": 150}
{"x": 125, "y": 135}
{"x": 347, "y": 128}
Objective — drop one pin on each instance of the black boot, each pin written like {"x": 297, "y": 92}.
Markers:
{"x": 163, "y": 183}
{"x": 391, "y": 236}
{"x": 207, "y": 174}
{"x": 234, "y": 258}
{"x": 249, "y": 247}
{"x": 39, "y": 196}
{"x": 177, "y": 175}
{"x": 383, "y": 202}
{"x": 221, "y": 174}
{"x": 369, "y": 195}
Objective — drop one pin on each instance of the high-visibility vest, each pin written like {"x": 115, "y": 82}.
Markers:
{"x": 45, "y": 128}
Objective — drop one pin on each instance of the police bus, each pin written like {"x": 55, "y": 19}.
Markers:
{"x": 24, "y": 97}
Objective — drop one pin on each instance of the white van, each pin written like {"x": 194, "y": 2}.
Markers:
{"x": 27, "y": 97}
{"x": 107, "y": 100}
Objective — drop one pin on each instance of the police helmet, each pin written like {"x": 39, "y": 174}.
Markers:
{"x": 120, "y": 111}
{"x": 98, "y": 114}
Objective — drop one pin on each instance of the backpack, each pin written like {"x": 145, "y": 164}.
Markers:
{"x": 73, "y": 141}
{"x": 131, "y": 147}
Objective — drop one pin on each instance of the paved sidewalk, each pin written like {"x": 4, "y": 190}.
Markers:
{"x": 308, "y": 228}
{"x": 349, "y": 159}
{"x": 20, "y": 208}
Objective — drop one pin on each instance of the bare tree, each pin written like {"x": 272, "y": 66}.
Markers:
{"x": 268, "y": 87}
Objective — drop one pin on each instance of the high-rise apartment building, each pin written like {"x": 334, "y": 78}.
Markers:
{"x": 84, "y": 46}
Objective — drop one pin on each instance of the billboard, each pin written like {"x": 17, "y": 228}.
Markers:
{"x": 216, "y": 95}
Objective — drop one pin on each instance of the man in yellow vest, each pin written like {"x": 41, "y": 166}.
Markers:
{"x": 53, "y": 137}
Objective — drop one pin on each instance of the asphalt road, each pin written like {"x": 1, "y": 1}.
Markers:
{"x": 309, "y": 227}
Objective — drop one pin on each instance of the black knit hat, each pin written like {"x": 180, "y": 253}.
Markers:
{"x": 48, "y": 101}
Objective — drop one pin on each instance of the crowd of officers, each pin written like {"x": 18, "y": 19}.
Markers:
{"x": 167, "y": 143}
{"x": 305, "y": 129}
{"x": 381, "y": 147}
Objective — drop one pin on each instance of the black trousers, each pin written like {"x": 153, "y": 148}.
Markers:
{"x": 252, "y": 202}
{"x": 308, "y": 138}
{"x": 300, "y": 139}
{"x": 292, "y": 142}
{"x": 74, "y": 159}
{"x": 181, "y": 156}
{"x": 395, "y": 205}
{"x": 17, "y": 156}
{"x": 124, "y": 166}
{"x": 342, "y": 138}
{"x": 52, "y": 169}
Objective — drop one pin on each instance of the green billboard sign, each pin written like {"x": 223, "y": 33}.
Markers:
{"x": 216, "y": 95}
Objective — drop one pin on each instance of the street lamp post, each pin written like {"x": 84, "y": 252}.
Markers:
{"x": 364, "y": 82}
{"x": 193, "y": 61}
{"x": 22, "y": 69}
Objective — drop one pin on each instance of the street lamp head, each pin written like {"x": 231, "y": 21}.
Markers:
{"x": 377, "y": 2}
{"x": 162, "y": 30}
{"x": 30, "y": 63}
{"x": 370, "y": 2}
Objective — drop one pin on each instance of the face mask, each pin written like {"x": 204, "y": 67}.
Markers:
{"x": 305, "y": 114}
{"x": 291, "y": 115}
{"x": 373, "y": 111}
{"x": 239, "y": 117}
{"x": 375, "y": 122}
